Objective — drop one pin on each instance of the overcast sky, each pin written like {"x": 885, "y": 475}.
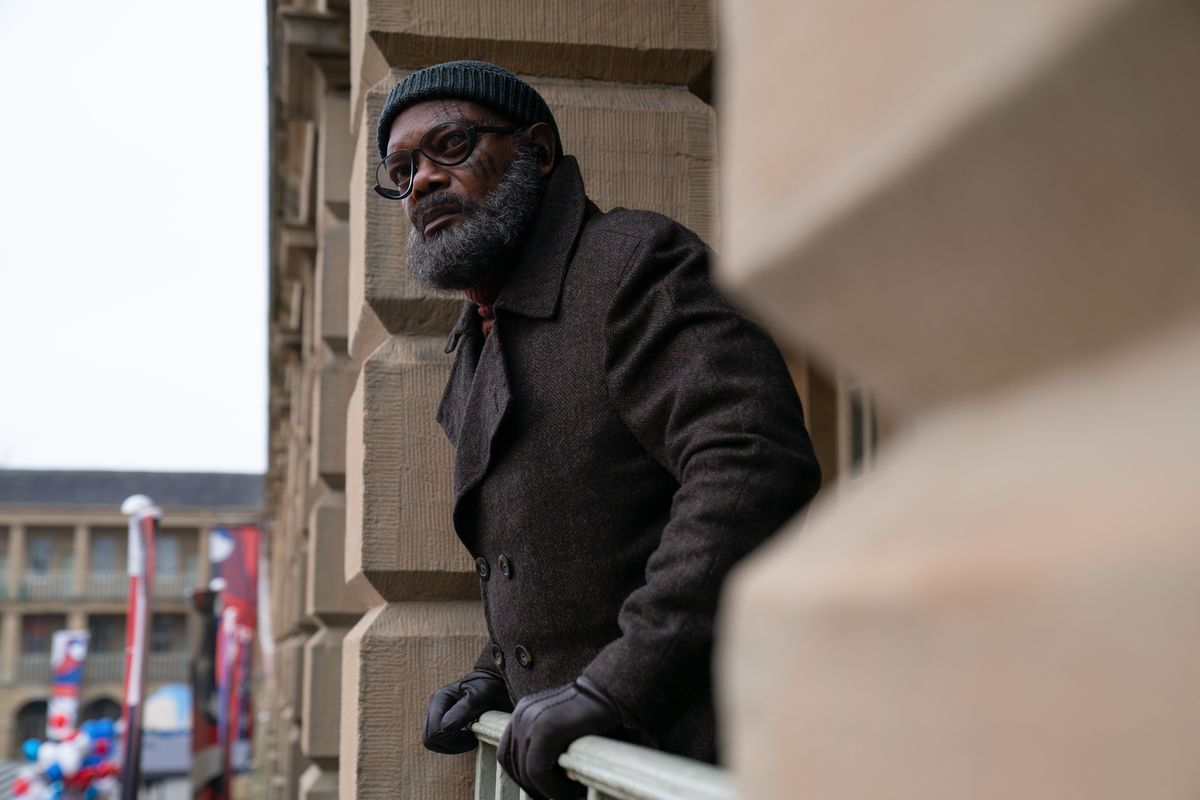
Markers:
{"x": 133, "y": 234}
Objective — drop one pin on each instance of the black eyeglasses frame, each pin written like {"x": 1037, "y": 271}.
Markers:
{"x": 472, "y": 131}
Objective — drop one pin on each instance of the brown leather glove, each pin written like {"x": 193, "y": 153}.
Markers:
{"x": 458, "y": 704}
{"x": 542, "y": 727}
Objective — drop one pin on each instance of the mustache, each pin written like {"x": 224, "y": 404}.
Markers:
{"x": 437, "y": 201}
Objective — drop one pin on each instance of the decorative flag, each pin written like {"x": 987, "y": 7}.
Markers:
{"x": 143, "y": 527}
{"x": 234, "y": 552}
{"x": 68, "y": 650}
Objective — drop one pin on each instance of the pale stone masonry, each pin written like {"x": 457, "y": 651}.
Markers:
{"x": 990, "y": 215}
{"x": 375, "y": 601}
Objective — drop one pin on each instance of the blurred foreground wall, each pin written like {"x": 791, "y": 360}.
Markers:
{"x": 988, "y": 212}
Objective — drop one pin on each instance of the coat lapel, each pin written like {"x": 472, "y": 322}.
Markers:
{"x": 458, "y": 387}
{"x": 478, "y": 393}
{"x": 487, "y": 401}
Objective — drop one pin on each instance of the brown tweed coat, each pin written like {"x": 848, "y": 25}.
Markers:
{"x": 622, "y": 438}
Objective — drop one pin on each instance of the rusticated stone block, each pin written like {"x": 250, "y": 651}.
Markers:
{"x": 332, "y": 302}
{"x": 665, "y": 138}
{"x": 331, "y": 393}
{"x": 319, "y": 784}
{"x": 671, "y": 42}
{"x": 328, "y": 598}
{"x": 292, "y": 761}
{"x": 321, "y": 694}
{"x": 648, "y": 147}
{"x": 378, "y": 242}
{"x": 393, "y": 659}
{"x": 335, "y": 152}
{"x": 366, "y": 329}
{"x": 294, "y": 577}
{"x": 969, "y": 193}
{"x": 1001, "y": 610}
{"x": 400, "y": 542}
{"x": 649, "y": 41}
{"x": 289, "y": 659}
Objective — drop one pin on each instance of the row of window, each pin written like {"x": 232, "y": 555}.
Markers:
{"x": 168, "y": 632}
{"x": 52, "y": 549}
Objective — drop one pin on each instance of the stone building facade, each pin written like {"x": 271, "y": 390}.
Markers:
{"x": 63, "y": 545}
{"x": 375, "y": 601}
{"x": 984, "y": 212}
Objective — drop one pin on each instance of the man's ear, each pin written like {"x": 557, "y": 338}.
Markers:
{"x": 542, "y": 136}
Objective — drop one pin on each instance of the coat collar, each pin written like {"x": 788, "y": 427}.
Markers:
{"x": 535, "y": 286}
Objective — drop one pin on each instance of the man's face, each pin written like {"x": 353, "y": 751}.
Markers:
{"x": 469, "y": 219}
{"x": 471, "y": 181}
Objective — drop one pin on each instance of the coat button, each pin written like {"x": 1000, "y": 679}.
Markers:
{"x": 497, "y": 656}
{"x": 524, "y": 657}
{"x": 481, "y": 566}
{"x": 506, "y": 566}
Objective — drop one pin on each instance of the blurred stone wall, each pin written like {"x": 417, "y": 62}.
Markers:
{"x": 986, "y": 211}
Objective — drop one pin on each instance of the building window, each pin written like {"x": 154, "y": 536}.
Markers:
{"x": 38, "y": 629}
{"x": 168, "y": 633}
{"x": 104, "y": 553}
{"x": 41, "y": 553}
{"x": 108, "y": 633}
{"x": 166, "y": 556}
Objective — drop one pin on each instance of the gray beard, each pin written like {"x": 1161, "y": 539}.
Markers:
{"x": 480, "y": 249}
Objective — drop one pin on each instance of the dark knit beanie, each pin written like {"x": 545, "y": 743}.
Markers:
{"x": 478, "y": 81}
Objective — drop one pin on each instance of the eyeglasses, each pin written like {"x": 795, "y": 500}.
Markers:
{"x": 448, "y": 144}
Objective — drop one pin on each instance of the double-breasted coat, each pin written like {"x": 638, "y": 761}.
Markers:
{"x": 622, "y": 437}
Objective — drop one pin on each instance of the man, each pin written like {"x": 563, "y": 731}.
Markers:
{"x": 622, "y": 435}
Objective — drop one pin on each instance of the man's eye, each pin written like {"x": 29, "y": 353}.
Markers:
{"x": 451, "y": 144}
{"x": 400, "y": 172}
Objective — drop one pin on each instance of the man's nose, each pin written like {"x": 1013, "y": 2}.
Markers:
{"x": 428, "y": 176}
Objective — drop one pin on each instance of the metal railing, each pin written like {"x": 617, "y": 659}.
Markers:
{"x": 168, "y": 667}
{"x": 173, "y": 587}
{"x": 101, "y": 667}
{"x": 47, "y": 586}
{"x": 611, "y": 770}
{"x": 33, "y": 668}
{"x": 107, "y": 585}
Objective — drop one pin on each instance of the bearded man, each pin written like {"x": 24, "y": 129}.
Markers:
{"x": 623, "y": 436}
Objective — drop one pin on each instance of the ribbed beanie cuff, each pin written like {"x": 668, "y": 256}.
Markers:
{"x": 478, "y": 81}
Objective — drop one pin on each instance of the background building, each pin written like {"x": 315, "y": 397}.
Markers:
{"x": 63, "y": 545}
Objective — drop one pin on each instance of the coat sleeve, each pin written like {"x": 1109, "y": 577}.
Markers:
{"x": 708, "y": 396}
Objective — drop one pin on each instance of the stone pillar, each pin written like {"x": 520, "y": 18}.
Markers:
{"x": 330, "y": 604}
{"x": 16, "y": 558}
{"x": 986, "y": 215}
{"x": 83, "y": 557}
{"x": 10, "y": 645}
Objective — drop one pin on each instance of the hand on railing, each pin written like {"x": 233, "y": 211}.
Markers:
{"x": 611, "y": 769}
{"x": 542, "y": 727}
{"x": 455, "y": 705}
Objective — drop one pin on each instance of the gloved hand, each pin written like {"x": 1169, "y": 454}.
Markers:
{"x": 456, "y": 705}
{"x": 542, "y": 727}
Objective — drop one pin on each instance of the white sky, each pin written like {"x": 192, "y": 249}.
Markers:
{"x": 133, "y": 234}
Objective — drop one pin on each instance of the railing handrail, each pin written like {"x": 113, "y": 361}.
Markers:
{"x": 626, "y": 771}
